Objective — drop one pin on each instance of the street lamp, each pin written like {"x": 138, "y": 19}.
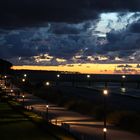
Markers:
{"x": 23, "y": 99}
{"x": 11, "y": 91}
{"x": 25, "y": 75}
{"x": 47, "y": 83}
{"x": 23, "y": 80}
{"x": 57, "y": 80}
{"x": 105, "y": 131}
{"x": 123, "y": 76}
{"x": 5, "y": 79}
{"x": 58, "y": 75}
{"x": 105, "y": 93}
{"x": 47, "y": 112}
{"x": 88, "y": 76}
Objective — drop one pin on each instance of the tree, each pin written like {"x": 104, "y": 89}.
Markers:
{"x": 5, "y": 66}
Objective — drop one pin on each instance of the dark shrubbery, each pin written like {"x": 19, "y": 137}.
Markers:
{"x": 125, "y": 119}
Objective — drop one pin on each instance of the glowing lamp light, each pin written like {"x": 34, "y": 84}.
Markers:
{"x": 58, "y": 75}
{"x": 23, "y": 80}
{"x": 104, "y": 130}
{"x": 88, "y": 76}
{"x": 123, "y": 76}
{"x": 123, "y": 90}
{"x": 47, "y": 106}
{"x": 25, "y": 75}
{"x": 23, "y": 96}
{"x": 105, "y": 92}
{"x": 47, "y": 83}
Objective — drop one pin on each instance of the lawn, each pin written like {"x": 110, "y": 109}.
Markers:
{"x": 15, "y": 126}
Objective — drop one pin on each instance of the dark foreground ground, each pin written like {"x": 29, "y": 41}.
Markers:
{"x": 15, "y": 126}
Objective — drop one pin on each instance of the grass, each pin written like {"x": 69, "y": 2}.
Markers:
{"x": 128, "y": 120}
{"x": 40, "y": 122}
{"x": 15, "y": 126}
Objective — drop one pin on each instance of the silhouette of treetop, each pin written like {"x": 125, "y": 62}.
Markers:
{"x": 5, "y": 65}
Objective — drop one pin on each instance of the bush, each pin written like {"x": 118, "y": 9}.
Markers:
{"x": 125, "y": 119}
{"x": 98, "y": 112}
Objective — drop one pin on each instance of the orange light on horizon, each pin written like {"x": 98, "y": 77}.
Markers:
{"x": 82, "y": 68}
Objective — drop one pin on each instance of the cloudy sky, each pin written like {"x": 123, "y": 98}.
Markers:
{"x": 53, "y": 32}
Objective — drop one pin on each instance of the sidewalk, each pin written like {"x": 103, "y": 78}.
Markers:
{"x": 81, "y": 125}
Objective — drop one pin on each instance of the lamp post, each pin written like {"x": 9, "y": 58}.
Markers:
{"x": 12, "y": 92}
{"x": 23, "y": 80}
{"x": 23, "y": 99}
{"x": 47, "y": 112}
{"x": 105, "y": 93}
{"x": 58, "y": 75}
{"x": 105, "y": 131}
{"x": 88, "y": 78}
{"x": 57, "y": 80}
{"x": 25, "y": 75}
{"x": 5, "y": 80}
{"x": 123, "y": 78}
{"x": 47, "y": 83}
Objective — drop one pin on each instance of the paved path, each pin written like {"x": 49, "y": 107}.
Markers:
{"x": 79, "y": 124}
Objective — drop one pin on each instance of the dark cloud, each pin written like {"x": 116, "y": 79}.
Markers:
{"x": 33, "y": 12}
{"x": 68, "y": 40}
{"x": 124, "y": 66}
{"x": 14, "y": 45}
{"x": 64, "y": 29}
{"x": 135, "y": 27}
{"x": 124, "y": 42}
{"x": 127, "y": 71}
{"x": 120, "y": 43}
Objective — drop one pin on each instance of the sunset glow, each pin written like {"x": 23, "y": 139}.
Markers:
{"x": 87, "y": 68}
